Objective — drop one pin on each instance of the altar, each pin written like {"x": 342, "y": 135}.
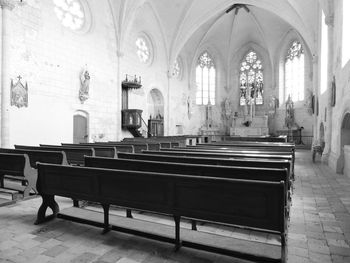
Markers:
{"x": 256, "y": 126}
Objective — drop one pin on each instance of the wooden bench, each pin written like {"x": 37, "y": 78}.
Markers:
{"x": 230, "y": 150}
{"x": 233, "y": 172}
{"x": 244, "y": 203}
{"x": 255, "y": 139}
{"x": 75, "y": 156}
{"x": 227, "y": 155}
{"x": 265, "y": 163}
{"x": 17, "y": 167}
{"x": 221, "y": 155}
{"x": 137, "y": 147}
{"x": 115, "y": 148}
{"x": 54, "y": 157}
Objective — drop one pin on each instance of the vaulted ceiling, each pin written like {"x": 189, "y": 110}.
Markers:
{"x": 179, "y": 20}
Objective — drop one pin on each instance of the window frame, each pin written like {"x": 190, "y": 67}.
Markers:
{"x": 261, "y": 69}
{"x": 211, "y": 81}
{"x": 285, "y": 59}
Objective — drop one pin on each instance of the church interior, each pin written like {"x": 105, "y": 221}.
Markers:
{"x": 247, "y": 102}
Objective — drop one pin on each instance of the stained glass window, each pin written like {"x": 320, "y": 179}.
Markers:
{"x": 70, "y": 13}
{"x": 294, "y": 72}
{"x": 143, "y": 50}
{"x": 205, "y": 80}
{"x": 251, "y": 80}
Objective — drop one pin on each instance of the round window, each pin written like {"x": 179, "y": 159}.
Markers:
{"x": 71, "y": 14}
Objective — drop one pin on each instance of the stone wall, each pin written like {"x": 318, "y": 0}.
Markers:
{"x": 51, "y": 58}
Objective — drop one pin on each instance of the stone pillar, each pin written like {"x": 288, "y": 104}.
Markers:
{"x": 167, "y": 120}
{"x": 329, "y": 20}
{"x": 6, "y": 7}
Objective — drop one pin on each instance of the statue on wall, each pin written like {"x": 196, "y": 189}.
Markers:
{"x": 227, "y": 108}
{"x": 309, "y": 103}
{"x": 84, "y": 87}
{"x": 19, "y": 94}
{"x": 289, "y": 120}
{"x": 189, "y": 107}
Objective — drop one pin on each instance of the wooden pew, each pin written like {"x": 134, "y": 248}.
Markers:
{"x": 221, "y": 155}
{"x": 275, "y": 145}
{"x": 255, "y": 139}
{"x": 17, "y": 167}
{"x": 75, "y": 156}
{"x": 229, "y": 150}
{"x": 103, "y": 150}
{"x": 244, "y": 203}
{"x": 138, "y": 147}
{"x": 233, "y": 172}
{"x": 224, "y": 153}
{"x": 35, "y": 156}
{"x": 281, "y": 164}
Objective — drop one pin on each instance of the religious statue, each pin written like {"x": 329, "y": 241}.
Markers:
{"x": 189, "y": 107}
{"x": 19, "y": 94}
{"x": 84, "y": 87}
{"x": 289, "y": 120}
{"x": 228, "y": 108}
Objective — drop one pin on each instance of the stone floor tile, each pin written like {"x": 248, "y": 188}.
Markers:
{"x": 338, "y": 243}
{"x": 55, "y": 251}
{"x": 84, "y": 258}
{"x": 320, "y": 258}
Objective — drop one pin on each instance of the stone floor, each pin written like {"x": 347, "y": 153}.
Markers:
{"x": 319, "y": 229}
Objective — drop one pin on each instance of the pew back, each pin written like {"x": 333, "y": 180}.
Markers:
{"x": 282, "y": 164}
{"x": 40, "y": 156}
{"x": 245, "y": 203}
{"x": 258, "y": 173}
{"x": 75, "y": 156}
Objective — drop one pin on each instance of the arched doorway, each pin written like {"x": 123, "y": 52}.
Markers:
{"x": 155, "y": 102}
{"x": 80, "y": 127}
{"x": 344, "y": 145}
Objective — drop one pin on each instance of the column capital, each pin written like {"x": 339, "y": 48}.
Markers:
{"x": 8, "y": 4}
{"x": 329, "y": 20}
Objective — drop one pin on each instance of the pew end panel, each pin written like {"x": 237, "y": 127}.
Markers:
{"x": 17, "y": 167}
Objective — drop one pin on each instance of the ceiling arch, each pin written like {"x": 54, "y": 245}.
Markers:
{"x": 203, "y": 10}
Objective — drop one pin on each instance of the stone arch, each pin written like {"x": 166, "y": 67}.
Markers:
{"x": 155, "y": 103}
{"x": 342, "y": 165}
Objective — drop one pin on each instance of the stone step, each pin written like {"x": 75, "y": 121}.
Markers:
{"x": 10, "y": 194}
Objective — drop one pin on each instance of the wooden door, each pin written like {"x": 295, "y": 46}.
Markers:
{"x": 80, "y": 132}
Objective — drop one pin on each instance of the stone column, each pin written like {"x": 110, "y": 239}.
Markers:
{"x": 329, "y": 20}
{"x": 6, "y": 7}
{"x": 167, "y": 131}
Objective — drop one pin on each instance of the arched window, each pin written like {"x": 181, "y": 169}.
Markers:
{"x": 70, "y": 13}
{"x": 251, "y": 80}
{"x": 205, "y": 80}
{"x": 144, "y": 49}
{"x": 294, "y": 72}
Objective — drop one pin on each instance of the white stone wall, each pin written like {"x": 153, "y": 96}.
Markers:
{"x": 50, "y": 58}
{"x": 342, "y": 106}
